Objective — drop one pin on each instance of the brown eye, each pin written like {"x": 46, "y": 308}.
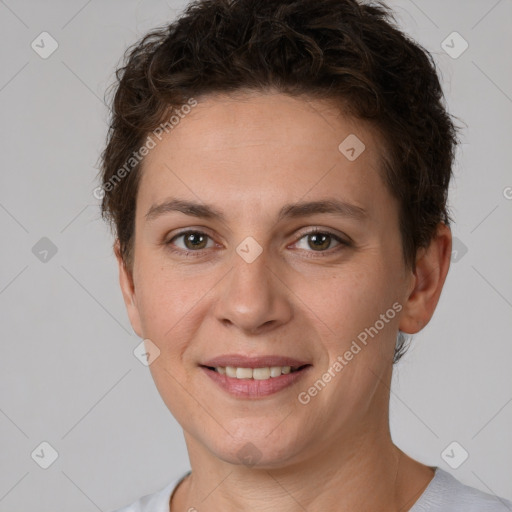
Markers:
{"x": 195, "y": 241}
{"x": 192, "y": 240}
{"x": 319, "y": 241}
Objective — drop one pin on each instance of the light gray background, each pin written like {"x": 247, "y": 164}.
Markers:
{"x": 68, "y": 373}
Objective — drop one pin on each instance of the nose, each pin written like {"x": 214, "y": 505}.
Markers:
{"x": 253, "y": 298}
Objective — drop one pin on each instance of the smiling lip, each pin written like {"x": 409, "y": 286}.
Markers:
{"x": 253, "y": 362}
{"x": 252, "y": 388}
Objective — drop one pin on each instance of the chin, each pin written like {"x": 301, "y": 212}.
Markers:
{"x": 255, "y": 448}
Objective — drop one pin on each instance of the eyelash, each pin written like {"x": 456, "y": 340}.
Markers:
{"x": 198, "y": 253}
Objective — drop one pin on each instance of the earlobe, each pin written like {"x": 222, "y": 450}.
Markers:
{"x": 432, "y": 264}
{"x": 126, "y": 283}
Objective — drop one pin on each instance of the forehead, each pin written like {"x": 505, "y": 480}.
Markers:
{"x": 256, "y": 149}
{"x": 220, "y": 122}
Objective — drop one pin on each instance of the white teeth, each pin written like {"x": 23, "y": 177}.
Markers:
{"x": 230, "y": 371}
{"x": 253, "y": 373}
{"x": 244, "y": 373}
{"x": 261, "y": 373}
{"x": 275, "y": 371}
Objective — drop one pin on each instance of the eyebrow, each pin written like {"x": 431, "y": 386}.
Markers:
{"x": 293, "y": 210}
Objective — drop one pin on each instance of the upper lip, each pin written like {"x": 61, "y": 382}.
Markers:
{"x": 241, "y": 361}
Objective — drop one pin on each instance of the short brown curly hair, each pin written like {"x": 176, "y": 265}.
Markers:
{"x": 342, "y": 50}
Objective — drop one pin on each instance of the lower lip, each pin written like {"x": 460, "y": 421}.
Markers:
{"x": 252, "y": 388}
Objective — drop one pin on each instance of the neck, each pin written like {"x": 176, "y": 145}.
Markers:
{"x": 367, "y": 472}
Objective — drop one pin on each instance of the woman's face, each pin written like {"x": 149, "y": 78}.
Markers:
{"x": 250, "y": 282}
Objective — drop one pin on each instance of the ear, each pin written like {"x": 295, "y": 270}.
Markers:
{"x": 432, "y": 264}
{"x": 128, "y": 289}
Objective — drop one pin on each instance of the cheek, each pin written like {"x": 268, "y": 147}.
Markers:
{"x": 348, "y": 306}
{"x": 163, "y": 300}
{"x": 348, "y": 298}
{"x": 172, "y": 301}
